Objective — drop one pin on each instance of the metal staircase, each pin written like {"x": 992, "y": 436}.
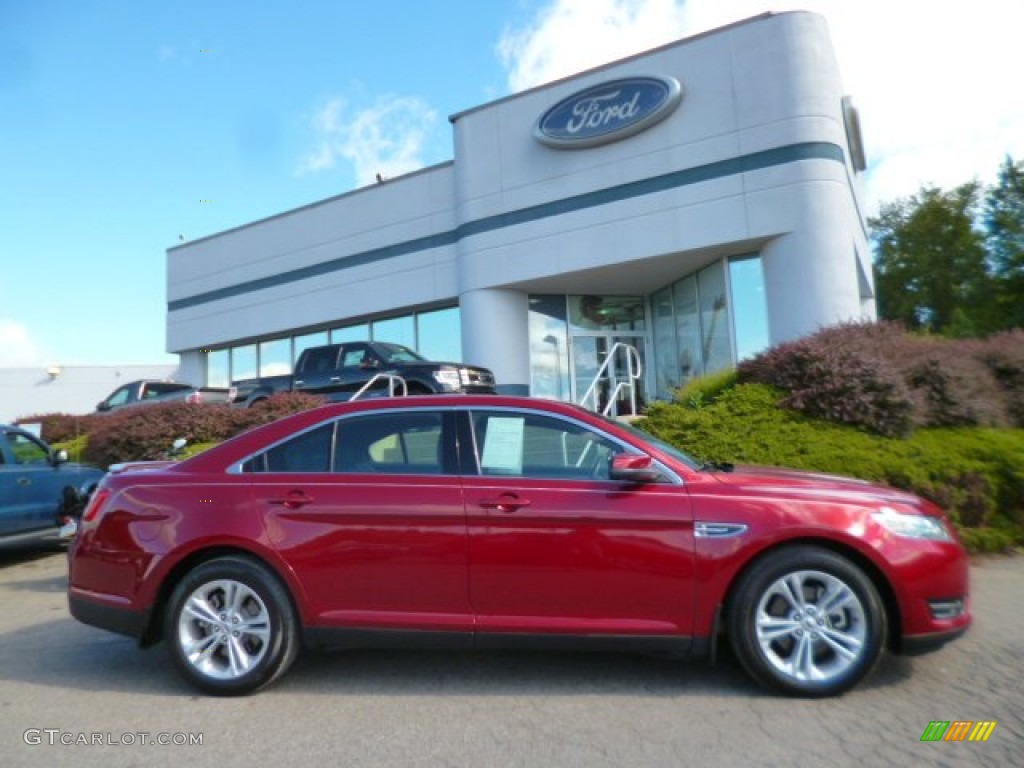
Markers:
{"x": 621, "y": 380}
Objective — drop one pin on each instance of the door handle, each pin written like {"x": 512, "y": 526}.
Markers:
{"x": 292, "y": 500}
{"x": 24, "y": 481}
{"x": 507, "y": 502}
{"x": 335, "y": 379}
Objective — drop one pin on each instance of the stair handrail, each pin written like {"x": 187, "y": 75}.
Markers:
{"x": 392, "y": 379}
{"x": 634, "y": 370}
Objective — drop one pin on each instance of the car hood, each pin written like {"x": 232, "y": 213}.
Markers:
{"x": 754, "y": 479}
{"x": 435, "y": 364}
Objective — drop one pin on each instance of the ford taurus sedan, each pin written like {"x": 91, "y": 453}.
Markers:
{"x": 486, "y": 522}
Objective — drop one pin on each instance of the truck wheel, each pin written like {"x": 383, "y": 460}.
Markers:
{"x": 807, "y": 621}
{"x": 230, "y": 627}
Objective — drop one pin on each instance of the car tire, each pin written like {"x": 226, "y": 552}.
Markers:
{"x": 230, "y": 627}
{"x": 807, "y": 622}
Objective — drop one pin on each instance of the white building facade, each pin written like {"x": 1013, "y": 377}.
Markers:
{"x": 74, "y": 389}
{"x": 698, "y": 202}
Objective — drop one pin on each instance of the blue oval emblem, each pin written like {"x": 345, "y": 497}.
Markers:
{"x": 608, "y": 112}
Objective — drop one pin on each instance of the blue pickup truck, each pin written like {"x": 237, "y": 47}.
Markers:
{"x": 40, "y": 490}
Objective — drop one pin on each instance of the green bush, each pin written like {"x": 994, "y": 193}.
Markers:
{"x": 975, "y": 474}
{"x": 704, "y": 390}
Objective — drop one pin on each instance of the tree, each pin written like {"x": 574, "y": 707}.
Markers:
{"x": 1004, "y": 238}
{"x": 931, "y": 262}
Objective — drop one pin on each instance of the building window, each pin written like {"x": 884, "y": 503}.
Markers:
{"x": 218, "y": 370}
{"x": 307, "y": 340}
{"x": 749, "y": 306}
{"x": 360, "y": 332}
{"x": 667, "y": 357}
{"x": 690, "y": 360}
{"x": 276, "y": 357}
{"x": 709, "y": 320}
{"x": 439, "y": 334}
{"x": 397, "y": 330}
{"x": 606, "y": 313}
{"x": 549, "y": 348}
{"x": 716, "y": 346}
{"x": 243, "y": 362}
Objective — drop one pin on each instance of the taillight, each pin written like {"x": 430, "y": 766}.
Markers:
{"x": 194, "y": 398}
{"x": 98, "y": 499}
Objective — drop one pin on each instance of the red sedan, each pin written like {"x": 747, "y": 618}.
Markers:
{"x": 485, "y": 521}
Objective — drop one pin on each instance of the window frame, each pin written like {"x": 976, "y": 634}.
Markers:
{"x": 471, "y": 457}
{"x": 450, "y": 466}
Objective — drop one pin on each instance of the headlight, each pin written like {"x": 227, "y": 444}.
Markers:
{"x": 448, "y": 377}
{"x": 912, "y": 525}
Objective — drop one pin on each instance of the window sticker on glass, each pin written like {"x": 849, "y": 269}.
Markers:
{"x": 503, "y": 445}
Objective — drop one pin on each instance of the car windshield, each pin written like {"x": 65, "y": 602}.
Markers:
{"x": 396, "y": 353}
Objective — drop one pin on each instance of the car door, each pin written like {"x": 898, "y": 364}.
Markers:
{"x": 30, "y": 484}
{"x": 319, "y": 371}
{"x": 557, "y": 547}
{"x": 357, "y": 365}
{"x": 368, "y": 512}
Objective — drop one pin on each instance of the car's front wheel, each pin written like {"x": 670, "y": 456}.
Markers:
{"x": 807, "y": 621}
{"x": 230, "y": 627}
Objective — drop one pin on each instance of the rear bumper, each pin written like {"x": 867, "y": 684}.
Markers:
{"x": 105, "y": 616}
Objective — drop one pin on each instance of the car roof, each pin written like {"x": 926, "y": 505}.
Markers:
{"x": 242, "y": 445}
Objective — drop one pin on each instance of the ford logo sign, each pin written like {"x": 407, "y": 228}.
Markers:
{"x": 608, "y": 112}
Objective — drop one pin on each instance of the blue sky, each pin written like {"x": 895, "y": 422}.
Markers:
{"x": 125, "y": 125}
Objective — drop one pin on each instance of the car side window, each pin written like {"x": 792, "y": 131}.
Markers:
{"x": 402, "y": 443}
{"x": 354, "y": 355}
{"x": 120, "y": 396}
{"x": 531, "y": 445}
{"x": 308, "y": 452}
{"x": 320, "y": 359}
{"x": 26, "y": 450}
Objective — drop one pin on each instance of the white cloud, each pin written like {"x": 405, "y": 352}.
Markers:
{"x": 17, "y": 348}
{"x": 569, "y": 36}
{"x": 388, "y": 138}
{"x": 933, "y": 80}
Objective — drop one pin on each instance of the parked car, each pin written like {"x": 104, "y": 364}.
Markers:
{"x": 338, "y": 371}
{"x": 498, "y": 521}
{"x": 149, "y": 391}
{"x": 40, "y": 490}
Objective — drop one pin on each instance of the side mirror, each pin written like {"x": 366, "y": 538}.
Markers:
{"x": 104, "y": 406}
{"x": 60, "y": 457}
{"x": 634, "y": 468}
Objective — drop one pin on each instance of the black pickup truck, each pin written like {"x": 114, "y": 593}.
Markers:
{"x": 339, "y": 370}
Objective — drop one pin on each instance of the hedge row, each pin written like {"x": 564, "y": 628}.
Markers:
{"x": 881, "y": 377}
{"x": 975, "y": 474}
{"x": 147, "y": 432}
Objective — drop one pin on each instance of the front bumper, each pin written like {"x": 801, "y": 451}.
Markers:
{"x": 916, "y": 645}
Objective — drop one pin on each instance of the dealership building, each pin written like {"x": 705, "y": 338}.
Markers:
{"x": 697, "y": 202}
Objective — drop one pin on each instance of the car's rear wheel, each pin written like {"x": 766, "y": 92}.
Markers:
{"x": 230, "y": 627}
{"x": 807, "y": 621}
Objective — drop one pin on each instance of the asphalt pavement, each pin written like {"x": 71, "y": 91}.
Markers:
{"x": 74, "y": 695}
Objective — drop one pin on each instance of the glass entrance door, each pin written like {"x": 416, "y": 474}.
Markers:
{"x": 597, "y": 379}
